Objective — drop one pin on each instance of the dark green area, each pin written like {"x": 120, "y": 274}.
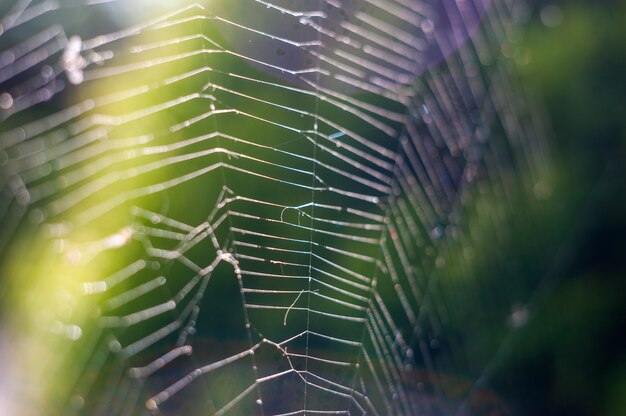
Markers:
{"x": 571, "y": 357}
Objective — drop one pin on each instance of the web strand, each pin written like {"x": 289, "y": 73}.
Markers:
{"x": 237, "y": 205}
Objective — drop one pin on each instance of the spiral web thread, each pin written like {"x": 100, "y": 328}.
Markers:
{"x": 248, "y": 207}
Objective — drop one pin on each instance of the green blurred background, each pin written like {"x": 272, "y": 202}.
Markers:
{"x": 571, "y": 357}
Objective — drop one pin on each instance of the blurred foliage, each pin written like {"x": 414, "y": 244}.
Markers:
{"x": 571, "y": 357}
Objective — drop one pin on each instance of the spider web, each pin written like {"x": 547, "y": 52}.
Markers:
{"x": 253, "y": 207}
